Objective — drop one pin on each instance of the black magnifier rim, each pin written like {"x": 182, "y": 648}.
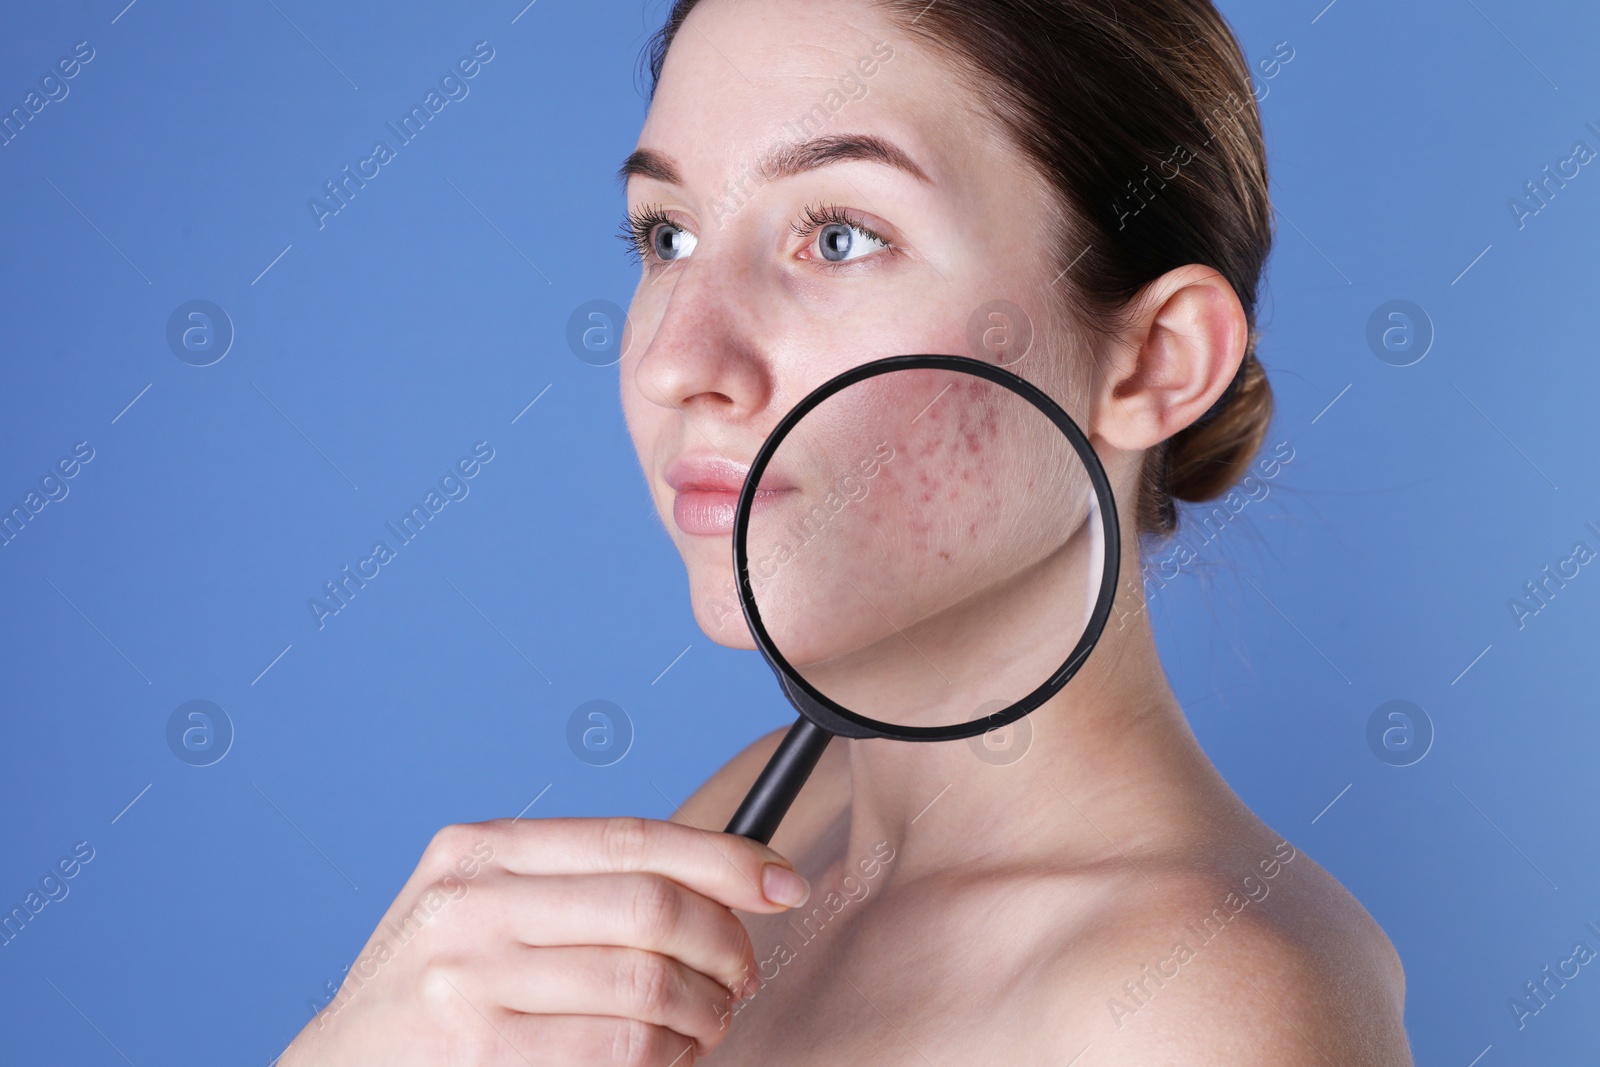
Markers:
{"x": 867, "y": 727}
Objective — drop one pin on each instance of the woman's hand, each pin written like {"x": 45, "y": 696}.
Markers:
{"x": 555, "y": 941}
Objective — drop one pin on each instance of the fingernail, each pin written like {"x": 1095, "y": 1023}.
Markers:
{"x": 783, "y": 886}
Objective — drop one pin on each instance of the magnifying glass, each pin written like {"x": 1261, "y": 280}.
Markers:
{"x": 926, "y": 548}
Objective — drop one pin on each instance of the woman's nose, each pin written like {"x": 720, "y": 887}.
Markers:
{"x": 706, "y": 354}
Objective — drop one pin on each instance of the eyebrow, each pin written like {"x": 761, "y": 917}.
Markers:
{"x": 787, "y": 161}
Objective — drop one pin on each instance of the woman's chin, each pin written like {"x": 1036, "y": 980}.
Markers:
{"x": 718, "y": 611}
{"x": 720, "y": 615}
{"x": 729, "y": 634}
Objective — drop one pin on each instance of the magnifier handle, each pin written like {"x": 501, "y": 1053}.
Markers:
{"x": 780, "y": 780}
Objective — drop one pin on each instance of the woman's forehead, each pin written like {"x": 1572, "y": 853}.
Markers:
{"x": 747, "y": 84}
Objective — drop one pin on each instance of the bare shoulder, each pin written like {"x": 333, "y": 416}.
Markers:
{"x": 1257, "y": 956}
{"x": 824, "y": 795}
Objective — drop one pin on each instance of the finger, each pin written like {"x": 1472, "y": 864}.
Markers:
{"x": 594, "y": 1041}
{"x": 627, "y": 983}
{"x": 732, "y": 870}
{"x": 638, "y": 910}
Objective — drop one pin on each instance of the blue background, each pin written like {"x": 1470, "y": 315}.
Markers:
{"x": 372, "y": 353}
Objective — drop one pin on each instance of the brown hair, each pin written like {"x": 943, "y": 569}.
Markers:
{"x": 1141, "y": 117}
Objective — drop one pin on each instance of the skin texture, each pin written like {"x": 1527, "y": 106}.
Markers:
{"x": 959, "y": 575}
{"x": 1030, "y": 909}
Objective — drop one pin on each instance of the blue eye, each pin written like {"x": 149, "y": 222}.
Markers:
{"x": 671, "y": 243}
{"x": 840, "y": 238}
{"x": 650, "y": 235}
{"x": 838, "y": 243}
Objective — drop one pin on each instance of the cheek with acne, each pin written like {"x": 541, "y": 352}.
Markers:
{"x": 941, "y": 497}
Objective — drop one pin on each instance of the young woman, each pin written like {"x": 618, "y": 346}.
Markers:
{"x": 819, "y": 184}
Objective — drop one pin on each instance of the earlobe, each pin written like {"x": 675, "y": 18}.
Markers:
{"x": 1178, "y": 353}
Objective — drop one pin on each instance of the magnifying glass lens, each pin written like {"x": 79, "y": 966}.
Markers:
{"x": 925, "y": 548}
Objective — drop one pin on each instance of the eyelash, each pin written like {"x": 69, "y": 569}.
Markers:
{"x": 639, "y": 227}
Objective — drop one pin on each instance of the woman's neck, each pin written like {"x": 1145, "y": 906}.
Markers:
{"x": 1111, "y": 771}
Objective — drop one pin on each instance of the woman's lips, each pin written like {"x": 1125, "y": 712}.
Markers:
{"x": 709, "y": 512}
{"x": 708, "y": 487}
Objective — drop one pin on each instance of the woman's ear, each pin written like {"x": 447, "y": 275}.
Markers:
{"x": 1176, "y": 355}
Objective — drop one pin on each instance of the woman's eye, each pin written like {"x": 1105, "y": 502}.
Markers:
{"x": 841, "y": 241}
{"x": 670, "y": 242}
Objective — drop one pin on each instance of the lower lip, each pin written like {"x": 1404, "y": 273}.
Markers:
{"x": 709, "y": 513}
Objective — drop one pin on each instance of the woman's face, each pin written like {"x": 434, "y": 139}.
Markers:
{"x": 912, "y": 214}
